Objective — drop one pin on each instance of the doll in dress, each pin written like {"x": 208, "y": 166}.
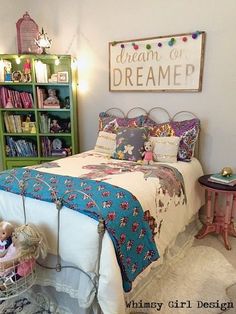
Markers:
{"x": 6, "y": 229}
{"x": 27, "y": 245}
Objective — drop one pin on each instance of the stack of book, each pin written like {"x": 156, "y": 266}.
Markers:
{"x": 218, "y": 178}
{"x": 10, "y": 98}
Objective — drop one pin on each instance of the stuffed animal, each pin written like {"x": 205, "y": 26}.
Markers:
{"x": 6, "y": 229}
{"x": 147, "y": 154}
{"x": 29, "y": 244}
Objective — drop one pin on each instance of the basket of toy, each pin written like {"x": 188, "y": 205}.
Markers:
{"x": 19, "y": 250}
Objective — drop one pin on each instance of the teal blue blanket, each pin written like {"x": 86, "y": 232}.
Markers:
{"x": 123, "y": 214}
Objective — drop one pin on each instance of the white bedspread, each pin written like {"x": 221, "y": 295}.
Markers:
{"x": 78, "y": 233}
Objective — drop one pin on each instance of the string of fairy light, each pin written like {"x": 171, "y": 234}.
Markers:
{"x": 170, "y": 42}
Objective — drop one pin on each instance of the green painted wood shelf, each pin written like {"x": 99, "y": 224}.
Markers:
{"x": 26, "y": 132}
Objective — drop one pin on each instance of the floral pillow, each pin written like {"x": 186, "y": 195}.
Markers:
{"x": 130, "y": 143}
{"x": 187, "y": 130}
{"x": 110, "y": 123}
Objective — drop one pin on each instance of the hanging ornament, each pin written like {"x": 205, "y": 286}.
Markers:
{"x": 159, "y": 45}
{"x": 185, "y": 39}
{"x": 148, "y": 46}
{"x": 171, "y": 42}
{"x": 195, "y": 34}
{"x": 122, "y": 46}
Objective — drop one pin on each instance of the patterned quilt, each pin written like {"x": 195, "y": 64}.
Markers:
{"x": 123, "y": 214}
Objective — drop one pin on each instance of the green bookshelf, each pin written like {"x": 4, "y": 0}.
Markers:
{"x": 38, "y": 108}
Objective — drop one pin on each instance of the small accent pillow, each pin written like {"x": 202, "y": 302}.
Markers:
{"x": 165, "y": 148}
{"x": 106, "y": 143}
{"x": 110, "y": 123}
{"x": 130, "y": 143}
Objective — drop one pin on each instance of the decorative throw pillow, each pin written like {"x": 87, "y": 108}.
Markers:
{"x": 106, "y": 143}
{"x": 165, "y": 148}
{"x": 130, "y": 143}
{"x": 161, "y": 129}
{"x": 188, "y": 131}
{"x": 110, "y": 123}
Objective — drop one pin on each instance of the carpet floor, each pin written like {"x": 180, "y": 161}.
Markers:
{"x": 202, "y": 276}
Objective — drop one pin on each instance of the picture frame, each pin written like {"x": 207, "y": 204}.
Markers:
{"x": 172, "y": 63}
{"x": 17, "y": 76}
{"x": 62, "y": 77}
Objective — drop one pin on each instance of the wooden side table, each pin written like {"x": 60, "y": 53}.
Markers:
{"x": 219, "y": 220}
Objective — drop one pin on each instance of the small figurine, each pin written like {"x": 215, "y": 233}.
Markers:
{"x": 227, "y": 172}
{"x": 147, "y": 154}
{"x": 52, "y": 100}
{"x": 67, "y": 102}
{"x": 54, "y": 126}
{"x": 27, "y": 70}
{"x": 29, "y": 244}
{"x": 6, "y": 229}
{"x": 7, "y": 70}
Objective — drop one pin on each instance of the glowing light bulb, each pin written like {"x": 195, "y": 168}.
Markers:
{"x": 57, "y": 61}
{"x": 83, "y": 86}
{"x": 18, "y": 61}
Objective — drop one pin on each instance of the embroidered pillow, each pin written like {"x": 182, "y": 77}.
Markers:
{"x": 110, "y": 123}
{"x": 188, "y": 131}
{"x": 165, "y": 148}
{"x": 106, "y": 143}
{"x": 130, "y": 143}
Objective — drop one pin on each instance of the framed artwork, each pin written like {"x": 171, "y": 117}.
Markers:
{"x": 27, "y": 32}
{"x": 172, "y": 63}
{"x": 62, "y": 77}
{"x": 17, "y": 76}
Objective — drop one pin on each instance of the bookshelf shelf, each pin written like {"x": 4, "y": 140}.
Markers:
{"x": 36, "y": 110}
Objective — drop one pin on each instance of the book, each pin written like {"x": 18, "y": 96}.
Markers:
{"x": 218, "y": 178}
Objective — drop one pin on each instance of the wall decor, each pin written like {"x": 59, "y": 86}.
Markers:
{"x": 171, "y": 63}
{"x": 27, "y": 31}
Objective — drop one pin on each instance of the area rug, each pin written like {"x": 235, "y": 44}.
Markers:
{"x": 195, "y": 284}
{"x": 31, "y": 303}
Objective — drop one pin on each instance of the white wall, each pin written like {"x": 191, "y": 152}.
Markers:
{"x": 84, "y": 28}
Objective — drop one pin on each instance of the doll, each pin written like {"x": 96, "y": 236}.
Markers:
{"x": 52, "y": 99}
{"x": 27, "y": 70}
{"x": 147, "y": 154}
{"x": 54, "y": 126}
{"x": 6, "y": 229}
{"x": 28, "y": 244}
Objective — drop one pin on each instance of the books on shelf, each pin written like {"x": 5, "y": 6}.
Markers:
{"x": 218, "y": 178}
{"x": 10, "y": 98}
{"x": 20, "y": 148}
{"x": 42, "y": 72}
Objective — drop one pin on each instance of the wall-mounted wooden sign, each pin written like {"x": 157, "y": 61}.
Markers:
{"x": 163, "y": 64}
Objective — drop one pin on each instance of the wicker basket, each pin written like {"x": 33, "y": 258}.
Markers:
{"x": 11, "y": 283}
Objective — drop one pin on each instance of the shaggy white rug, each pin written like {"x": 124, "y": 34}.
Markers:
{"x": 203, "y": 275}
